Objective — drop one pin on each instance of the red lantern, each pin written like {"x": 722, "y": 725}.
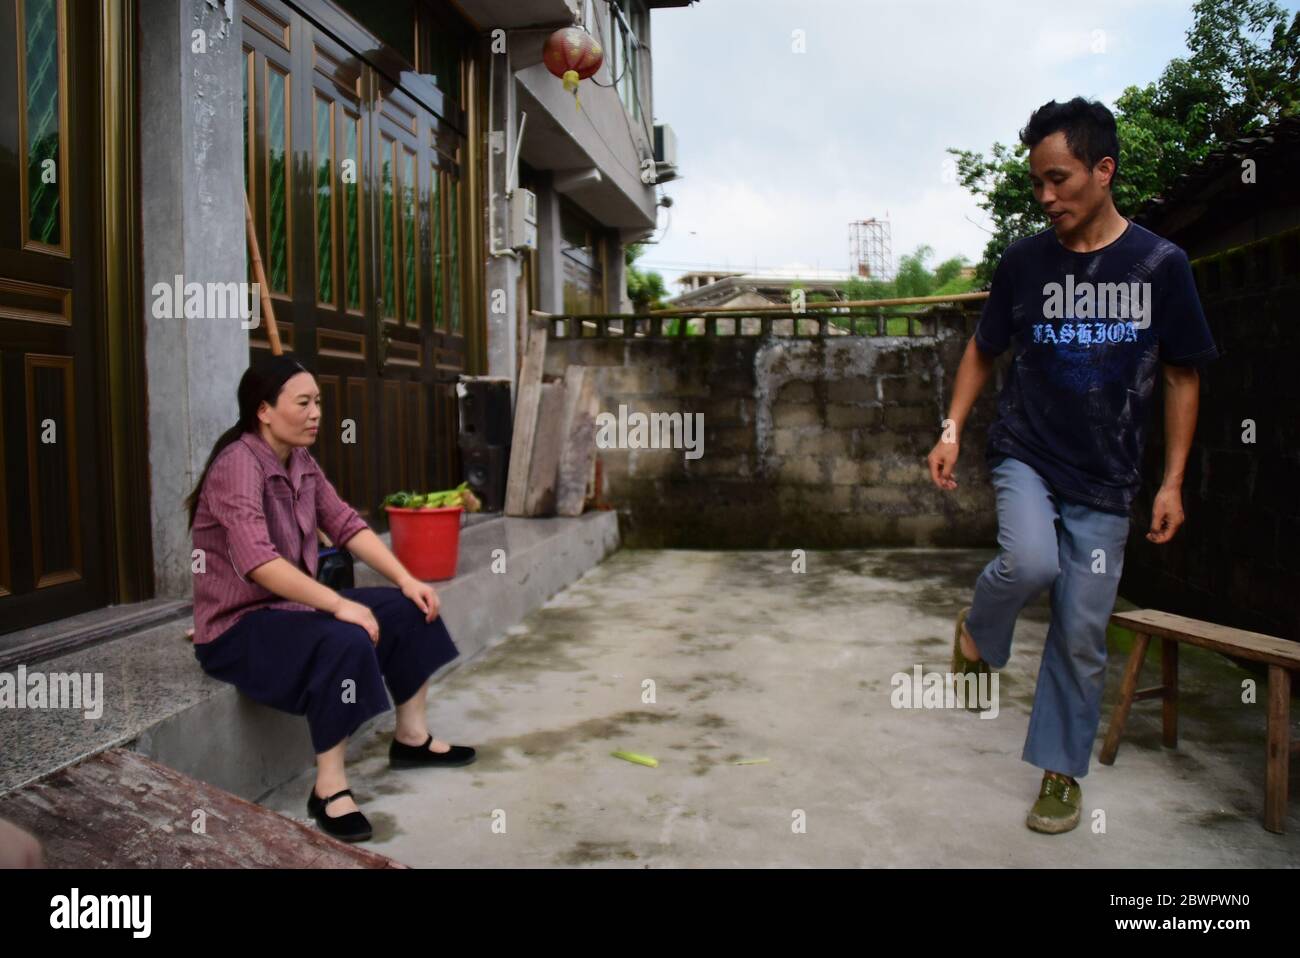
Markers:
{"x": 572, "y": 54}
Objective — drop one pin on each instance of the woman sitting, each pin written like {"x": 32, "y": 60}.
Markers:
{"x": 263, "y": 623}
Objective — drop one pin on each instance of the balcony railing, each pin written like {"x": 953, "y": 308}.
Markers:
{"x": 911, "y": 316}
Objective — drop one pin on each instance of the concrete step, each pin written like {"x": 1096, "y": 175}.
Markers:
{"x": 157, "y": 701}
{"x": 119, "y": 809}
{"x": 53, "y": 639}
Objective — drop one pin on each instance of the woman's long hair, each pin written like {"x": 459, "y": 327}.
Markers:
{"x": 261, "y": 382}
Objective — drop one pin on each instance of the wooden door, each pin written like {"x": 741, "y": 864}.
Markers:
{"x": 341, "y": 310}
{"x": 402, "y": 270}
{"x": 357, "y": 190}
{"x": 52, "y": 495}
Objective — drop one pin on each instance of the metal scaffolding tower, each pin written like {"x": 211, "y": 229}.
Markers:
{"x": 870, "y": 255}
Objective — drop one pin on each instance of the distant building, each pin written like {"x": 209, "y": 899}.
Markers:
{"x": 710, "y": 289}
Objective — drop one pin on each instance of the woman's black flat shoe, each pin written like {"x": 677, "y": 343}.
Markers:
{"x": 419, "y": 756}
{"x": 352, "y": 827}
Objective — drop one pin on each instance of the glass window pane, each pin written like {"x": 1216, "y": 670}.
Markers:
{"x": 616, "y": 47}
{"x": 43, "y": 93}
{"x": 351, "y": 240}
{"x": 387, "y": 237}
{"x": 435, "y": 220}
{"x": 408, "y": 239}
{"x": 453, "y": 251}
{"x": 634, "y": 82}
{"x": 278, "y": 175}
{"x": 324, "y": 207}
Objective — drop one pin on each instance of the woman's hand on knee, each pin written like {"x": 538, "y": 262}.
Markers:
{"x": 423, "y": 595}
{"x": 358, "y": 614}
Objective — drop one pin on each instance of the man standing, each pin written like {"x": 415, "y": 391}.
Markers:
{"x": 1091, "y": 307}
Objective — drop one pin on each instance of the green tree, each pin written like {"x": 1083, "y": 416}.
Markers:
{"x": 645, "y": 290}
{"x": 913, "y": 278}
{"x": 947, "y": 273}
{"x": 1242, "y": 72}
{"x": 858, "y": 288}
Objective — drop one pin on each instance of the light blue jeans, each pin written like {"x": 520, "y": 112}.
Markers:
{"x": 1079, "y": 553}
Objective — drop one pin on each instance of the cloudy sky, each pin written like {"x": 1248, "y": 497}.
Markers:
{"x": 779, "y": 150}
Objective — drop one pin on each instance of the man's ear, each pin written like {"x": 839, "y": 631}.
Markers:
{"x": 1106, "y": 169}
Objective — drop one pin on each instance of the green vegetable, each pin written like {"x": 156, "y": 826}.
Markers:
{"x": 638, "y": 759}
{"x": 447, "y": 498}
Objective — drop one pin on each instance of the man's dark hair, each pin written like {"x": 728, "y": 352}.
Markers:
{"x": 1089, "y": 130}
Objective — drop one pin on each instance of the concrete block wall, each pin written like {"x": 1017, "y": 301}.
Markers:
{"x": 808, "y": 442}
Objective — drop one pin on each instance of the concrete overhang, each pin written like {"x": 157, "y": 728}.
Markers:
{"x": 513, "y": 14}
{"x": 557, "y": 137}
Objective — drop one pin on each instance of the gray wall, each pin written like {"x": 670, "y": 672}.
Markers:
{"x": 550, "y": 269}
{"x": 503, "y": 269}
{"x": 191, "y": 108}
{"x": 812, "y": 443}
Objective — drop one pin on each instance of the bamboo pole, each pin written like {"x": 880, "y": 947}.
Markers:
{"x": 259, "y": 276}
{"x": 831, "y": 304}
{"x": 809, "y": 309}
{"x": 268, "y": 311}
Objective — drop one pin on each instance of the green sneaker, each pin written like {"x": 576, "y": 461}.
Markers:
{"x": 1057, "y": 808}
{"x": 962, "y": 666}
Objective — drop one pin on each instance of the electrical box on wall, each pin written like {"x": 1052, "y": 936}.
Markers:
{"x": 523, "y": 219}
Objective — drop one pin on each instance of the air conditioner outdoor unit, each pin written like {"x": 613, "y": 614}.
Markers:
{"x": 665, "y": 152}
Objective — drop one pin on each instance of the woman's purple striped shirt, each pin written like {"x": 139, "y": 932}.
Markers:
{"x": 252, "y": 510}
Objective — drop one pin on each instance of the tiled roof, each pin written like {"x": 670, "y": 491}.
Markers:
{"x": 1283, "y": 135}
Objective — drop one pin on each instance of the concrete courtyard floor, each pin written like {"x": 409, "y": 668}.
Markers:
{"x": 753, "y": 661}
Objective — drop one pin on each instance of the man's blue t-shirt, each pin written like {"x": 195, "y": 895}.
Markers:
{"x": 1089, "y": 331}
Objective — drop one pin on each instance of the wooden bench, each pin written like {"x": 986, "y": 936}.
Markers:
{"x": 1281, "y": 656}
{"x": 119, "y": 809}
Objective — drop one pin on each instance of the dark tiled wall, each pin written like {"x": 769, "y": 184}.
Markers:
{"x": 1237, "y": 559}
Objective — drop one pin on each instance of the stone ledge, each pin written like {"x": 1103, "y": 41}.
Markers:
{"x": 157, "y": 701}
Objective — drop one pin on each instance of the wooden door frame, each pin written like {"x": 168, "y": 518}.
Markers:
{"x": 123, "y": 438}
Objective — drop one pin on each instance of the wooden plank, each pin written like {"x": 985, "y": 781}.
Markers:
{"x": 120, "y": 809}
{"x": 1218, "y": 638}
{"x": 539, "y": 499}
{"x": 574, "y": 378}
{"x": 528, "y": 399}
{"x": 579, "y": 441}
{"x": 1169, "y": 676}
{"x": 1278, "y": 754}
{"x": 597, "y": 486}
{"x": 592, "y": 474}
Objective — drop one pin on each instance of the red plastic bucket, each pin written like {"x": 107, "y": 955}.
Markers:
{"x": 426, "y": 541}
